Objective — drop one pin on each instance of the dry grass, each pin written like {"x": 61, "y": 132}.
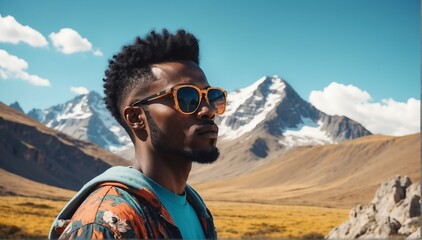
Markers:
{"x": 251, "y": 220}
{"x": 26, "y": 217}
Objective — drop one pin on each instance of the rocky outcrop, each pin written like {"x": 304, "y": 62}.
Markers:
{"x": 290, "y": 112}
{"x": 259, "y": 148}
{"x": 342, "y": 128}
{"x": 394, "y": 212}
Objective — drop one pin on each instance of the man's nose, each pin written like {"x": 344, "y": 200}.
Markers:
{"x": 205, "y": 110}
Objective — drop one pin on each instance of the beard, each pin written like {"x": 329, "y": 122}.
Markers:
{"x": 158, "y": 137}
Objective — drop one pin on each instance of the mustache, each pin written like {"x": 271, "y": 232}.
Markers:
{"x": 207, "y": 121}
{"x": 206, "y": 125}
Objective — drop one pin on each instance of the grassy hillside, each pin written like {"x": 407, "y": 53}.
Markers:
{"x": 339, "y": 175}
{"x": 251, "y": 220}
{"x": 28, "y": 217}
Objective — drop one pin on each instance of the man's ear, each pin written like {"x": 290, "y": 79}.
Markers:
{"x": 134, "y": 117}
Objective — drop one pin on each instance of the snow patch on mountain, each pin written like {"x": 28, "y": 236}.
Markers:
{"x": 73, "y": 110}
{"x": 238, "y": 97}
{"x": 262, "y": 104}
{"x": 305, "y": 134}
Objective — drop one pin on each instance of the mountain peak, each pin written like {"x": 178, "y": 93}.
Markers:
{"x": 94, "y": 97}
{"x": 271, "y": 108}
{"x": 15, "y": 105}
{"x": 248, "y": 106}
{"x": 93, "y": 93}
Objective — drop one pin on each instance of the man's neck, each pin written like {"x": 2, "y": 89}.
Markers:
{"x": 170, "y": 172}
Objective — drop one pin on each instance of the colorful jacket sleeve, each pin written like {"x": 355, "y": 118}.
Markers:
{"x": 108, "y": 212}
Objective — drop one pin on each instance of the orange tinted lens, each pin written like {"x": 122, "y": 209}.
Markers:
{"x": 217, "y": 100}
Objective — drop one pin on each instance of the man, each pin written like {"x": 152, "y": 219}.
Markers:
{"x": 158, "y": 93}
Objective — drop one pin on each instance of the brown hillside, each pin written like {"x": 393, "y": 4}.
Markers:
{"x": 31, "y": 150}
{"x": 341, "y": 175}
{"x": 14, "y": 185}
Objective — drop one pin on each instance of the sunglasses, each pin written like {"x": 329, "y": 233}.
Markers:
{"x": 187, "y": 98}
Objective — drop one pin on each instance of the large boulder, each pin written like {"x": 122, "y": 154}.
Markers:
{"x": 394, "y": 211}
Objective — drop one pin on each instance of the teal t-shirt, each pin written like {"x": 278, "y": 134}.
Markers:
{"x": 181, "y": 211}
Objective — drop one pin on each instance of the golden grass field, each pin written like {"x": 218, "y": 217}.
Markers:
{"x": 253, "y": 220}
{"x": 27, "y": 217}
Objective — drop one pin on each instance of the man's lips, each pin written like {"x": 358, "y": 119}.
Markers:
{"x": 209, "y": 131}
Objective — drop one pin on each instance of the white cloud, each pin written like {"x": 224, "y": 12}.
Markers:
{"x": 12, "y": 31}
{"x": 14, "y": 67}
{"x": 387, "y": 117}
{"x": 79, "y": 90}
{"x": 69, "y": 41}
{"x": 98, "y": 52}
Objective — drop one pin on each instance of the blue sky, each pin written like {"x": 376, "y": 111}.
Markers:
{"x": 373, "y": 45}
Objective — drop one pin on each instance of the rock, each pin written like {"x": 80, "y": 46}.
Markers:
{"x": 410, "y": 226}
{"x": 415, "y": 235}
{"x": 415, "y": 206}
{"x": 395, "y": 210}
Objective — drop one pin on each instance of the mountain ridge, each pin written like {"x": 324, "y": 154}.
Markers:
{"x": 34, "y": 151}
{"x": 85, "y": 117}
{"x": 269, "y": 108}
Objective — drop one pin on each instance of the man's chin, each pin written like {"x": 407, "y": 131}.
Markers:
{"x": 202, "y": 155}
{"x": 205, "y": 156}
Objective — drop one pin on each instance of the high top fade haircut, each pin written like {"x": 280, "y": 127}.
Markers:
{"x": 131, "y": 67}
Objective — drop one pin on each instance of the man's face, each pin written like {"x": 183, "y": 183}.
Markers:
{"x": 187, "y": 136}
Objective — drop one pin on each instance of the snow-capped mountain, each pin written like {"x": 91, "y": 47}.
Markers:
{"x": 271, "y": 105}
{"x": 85, "y": 117}
{"x": 265, "y": 121}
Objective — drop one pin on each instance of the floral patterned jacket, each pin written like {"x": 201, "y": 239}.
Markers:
{"x": 124, "y": 206}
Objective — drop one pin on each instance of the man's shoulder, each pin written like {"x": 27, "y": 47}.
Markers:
{"x": 103, "y": 200}
{"x": 109, "y": 209}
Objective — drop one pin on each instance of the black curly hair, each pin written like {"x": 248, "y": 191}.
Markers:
{"x": 132, "y": 65}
